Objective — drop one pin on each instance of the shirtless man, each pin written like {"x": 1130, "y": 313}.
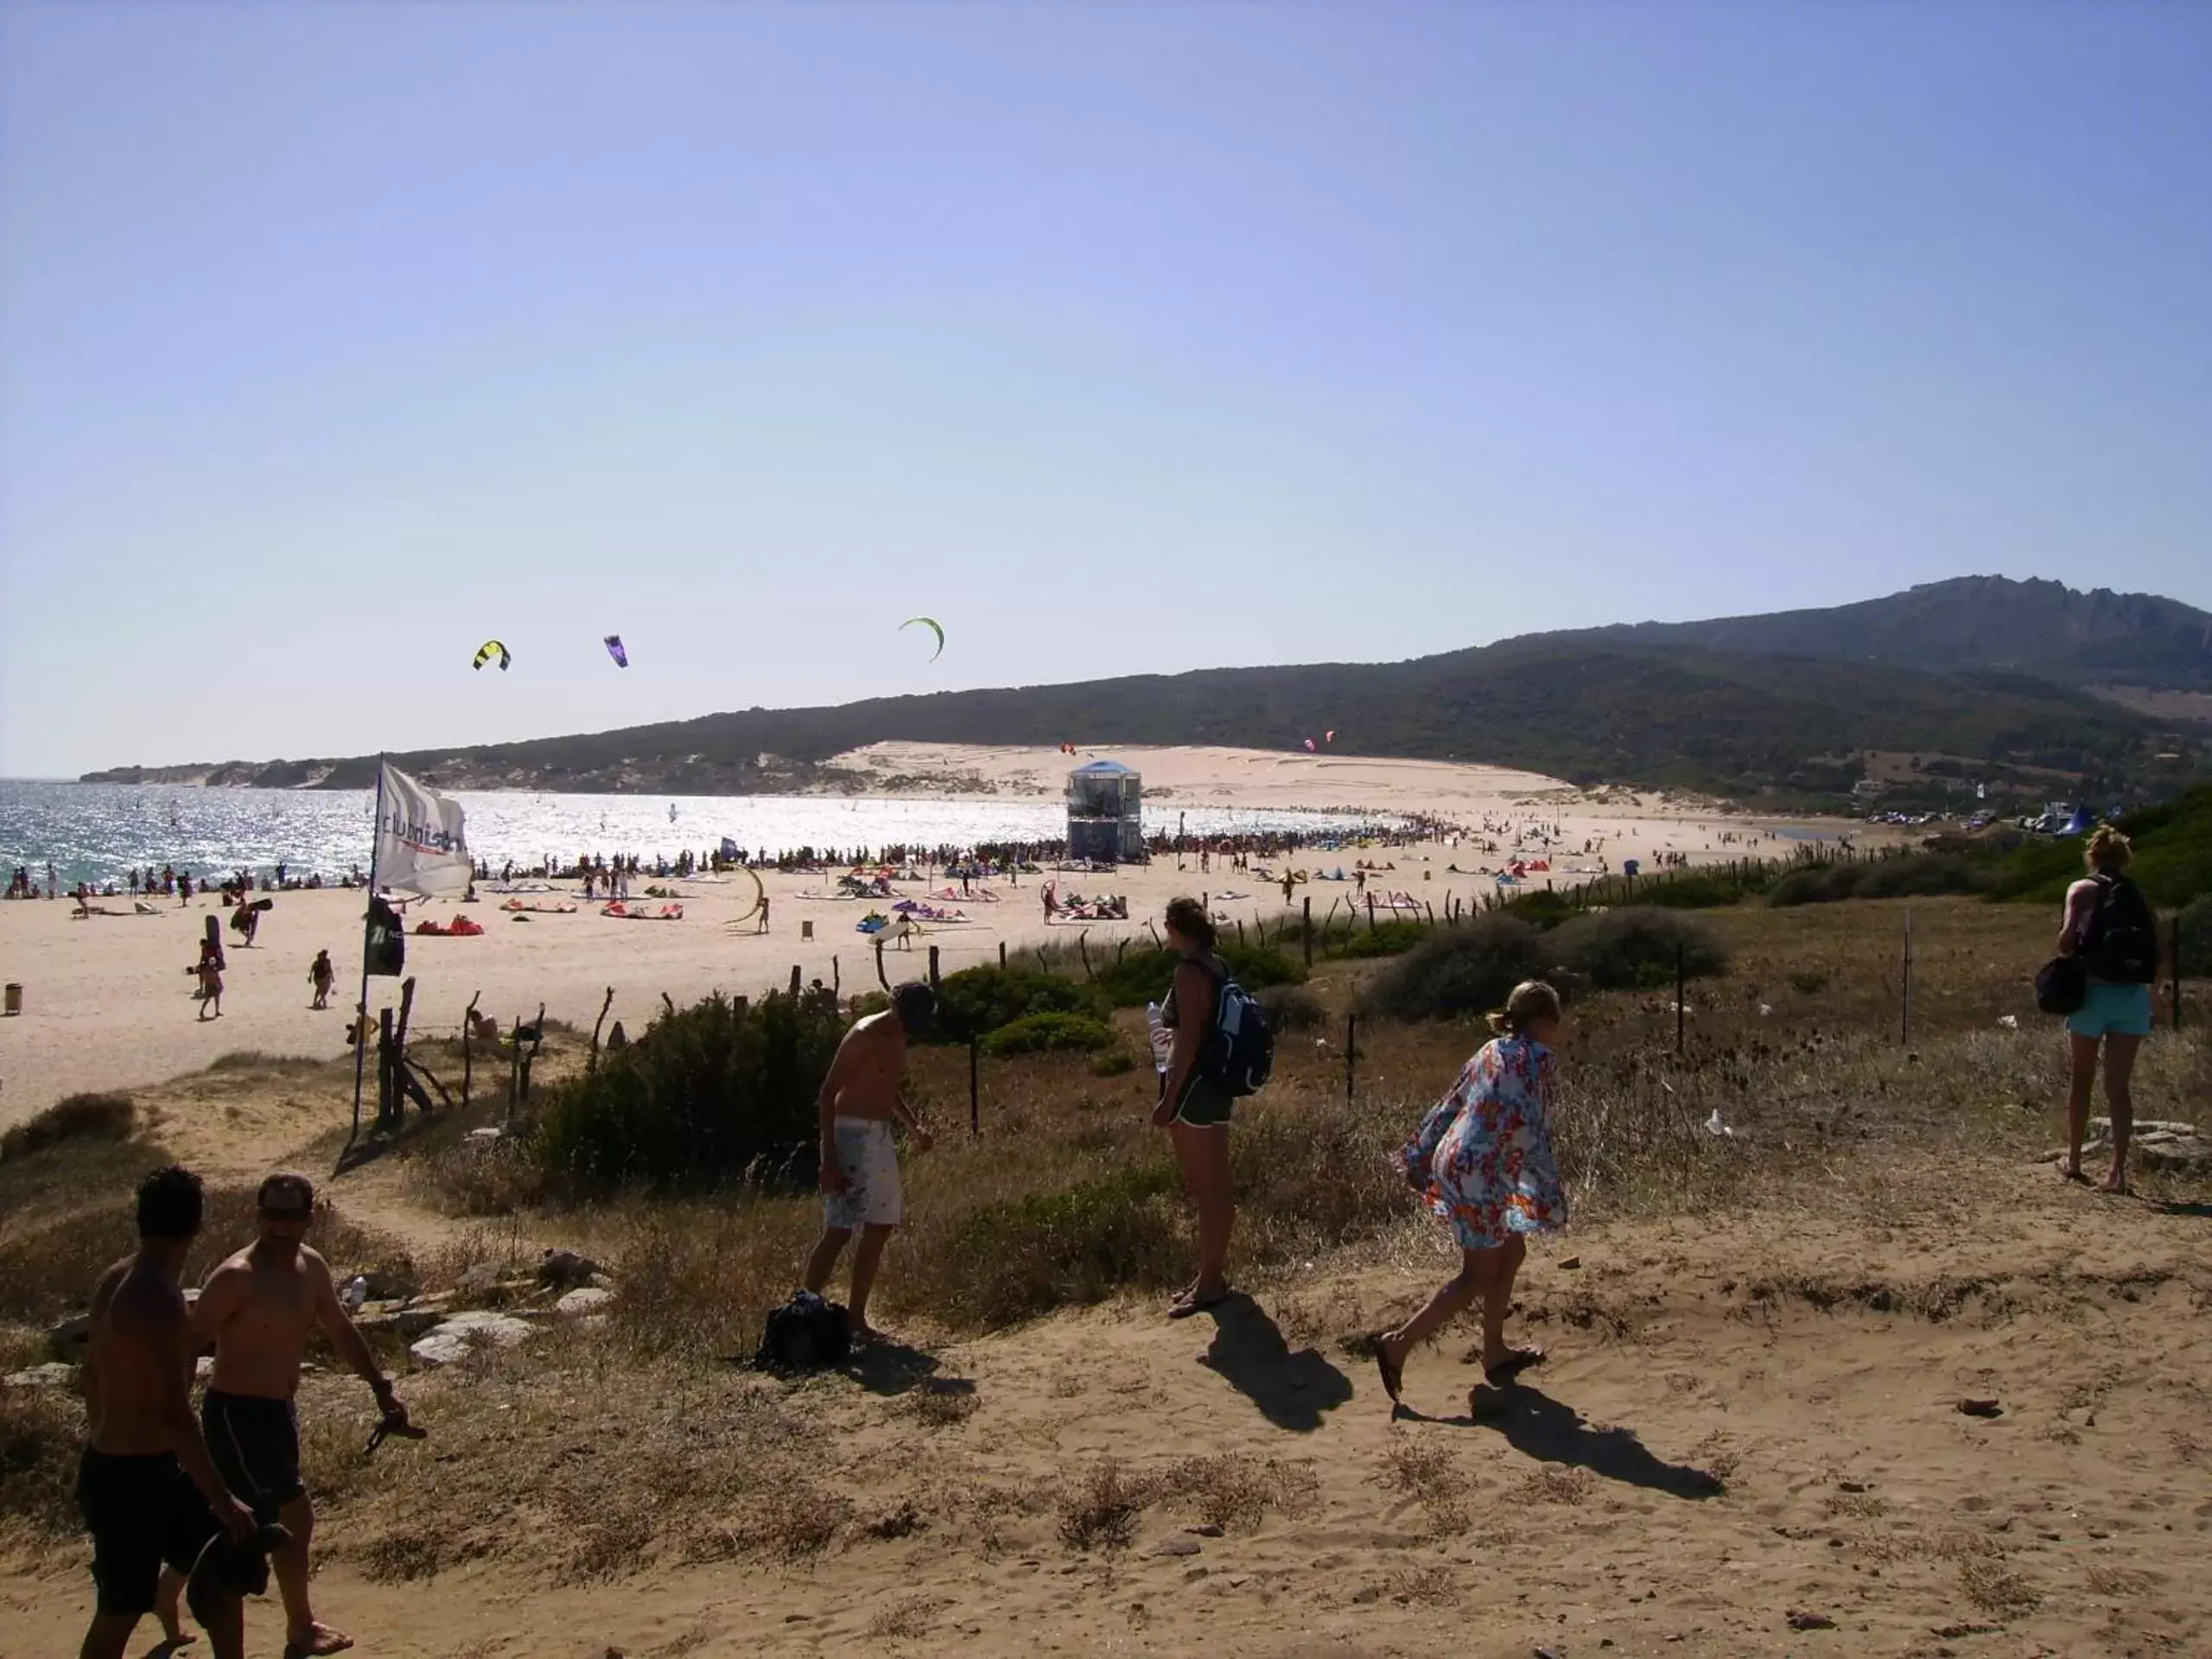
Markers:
{"x": 860, "y": 1100}
{"x": 151, "y": 1491}
{"x": 257, "y": 1309}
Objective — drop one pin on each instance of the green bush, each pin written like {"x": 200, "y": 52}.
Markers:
{"x": 1705, "y": 889}
{"x": 1015, "y": 1260}
{"x": 1392, "y": 938}
{"x": 722, "y": 1089}
{"x": 77, "y": 1117}
{"x": 1119, "y": 1064}
{"x": 978, "y": 1000}
{"x": 1291, "y": 1007}
{"x": 1143, "y": 976}
{"x": 2196, "y": 927}
{"x": 1919, "y": 875}
{"x": 1044, "y": 1033}
{"x": 1460, "y": 970}
{"x": 1816, "y": 884}
{"x": 1544, "y": 908}
{"x": 1615, "y": 949}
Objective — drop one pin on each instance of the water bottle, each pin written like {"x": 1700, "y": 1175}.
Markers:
{"x": 357, "y": 1292}
{"x": 1163, "y": 1040}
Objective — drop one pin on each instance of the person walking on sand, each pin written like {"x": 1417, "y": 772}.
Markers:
{"x": 2109, "y": 928}
{"x": 211, "y": 984}
{"x": 149, "y": 1490}
{"x": 258, "y": 1310}
{"x": 859, "y": 1102}
{"x": 1194, "y": 1107}
{"x": 763, "y": 928}
{"x": 322, "y": 976}
{"x": 1482, "y": 1161}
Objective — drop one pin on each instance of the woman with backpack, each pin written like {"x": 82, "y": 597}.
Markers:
{"x": 1483, "y": 1160}
{"x": 1195, "y": 1107}
{"x": 2109, "y": 927}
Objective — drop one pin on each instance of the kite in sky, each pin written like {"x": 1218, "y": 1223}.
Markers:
{"x": 1330, "y": 738}
{"x": 1309, "y": 746}
{"x": 614, "y": 643}
{"x": 490, "y": 649}
{"x": 934, "y": 627}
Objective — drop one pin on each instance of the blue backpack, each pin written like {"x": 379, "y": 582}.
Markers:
{"x": 1240, "y": 1051}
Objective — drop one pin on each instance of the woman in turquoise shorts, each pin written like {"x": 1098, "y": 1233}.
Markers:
{"x": 2109, "y": 925}
{"x": 1194, "y": 1109}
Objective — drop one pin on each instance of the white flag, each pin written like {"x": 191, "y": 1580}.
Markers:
{"x": 422, "y": 847}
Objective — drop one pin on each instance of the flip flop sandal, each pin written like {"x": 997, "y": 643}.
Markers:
{"x": 1199, "y": 1305}
{"x": 1393, "y": 1376}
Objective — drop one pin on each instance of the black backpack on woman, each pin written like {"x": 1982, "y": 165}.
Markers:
{"x": 2120, "y": 942}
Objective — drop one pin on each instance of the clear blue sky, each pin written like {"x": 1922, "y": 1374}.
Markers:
{"x": 336, "y": 338}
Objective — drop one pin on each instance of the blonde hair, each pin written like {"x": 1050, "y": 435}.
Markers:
{"x": 1532, "y": 999}
{"x": 2108, "y": 849}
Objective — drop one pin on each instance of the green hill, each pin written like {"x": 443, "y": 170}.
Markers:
{"x": 1745, "y": 725}
{"x": 2041, "y": 628}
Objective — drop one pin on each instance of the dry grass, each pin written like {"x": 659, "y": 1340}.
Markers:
{"x": 1419, "y": 1467}
{"x": 1099, "y": 1508}
{"x": 2118, "y": 1583}
{"x": 54, "y": 1245}
{"x": 1996, "y": 1591}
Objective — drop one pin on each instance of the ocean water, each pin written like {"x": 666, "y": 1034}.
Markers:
{"x": 96, "y": 832}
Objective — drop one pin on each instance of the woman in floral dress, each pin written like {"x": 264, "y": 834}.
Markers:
{"x": 1483, "y": 1162}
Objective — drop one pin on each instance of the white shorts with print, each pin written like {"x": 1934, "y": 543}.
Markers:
{"x": 872, "y": 1197}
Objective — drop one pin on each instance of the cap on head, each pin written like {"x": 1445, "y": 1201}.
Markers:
{"x": 916, "y": 1006}
{"x": 286, "y": 1193}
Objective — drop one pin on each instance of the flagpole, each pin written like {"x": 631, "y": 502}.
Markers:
{"x": 361, "y": 1007}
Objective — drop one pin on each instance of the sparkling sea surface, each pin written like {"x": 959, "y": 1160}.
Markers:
{"x": 96, "y": 832}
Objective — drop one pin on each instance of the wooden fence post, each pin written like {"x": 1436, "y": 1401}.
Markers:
{"x": 383, "y": 1068}
{"x": 975, "y": 1088}
{"x": 1905, "y": 1024}
{"x": 933, "y": 976}
{"x": 796, "y": 980}
{"x": 1001, "y": 956}
{"x": 591, "y": 1060}
{"x": 1681, "y": 991}
{"x": 467, "y": 1049}
{"x": 1306, "y": 927}
{"x": 2174, "y": 940}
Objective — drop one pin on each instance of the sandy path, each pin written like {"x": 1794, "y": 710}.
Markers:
{"x": 1707, "y": 1454}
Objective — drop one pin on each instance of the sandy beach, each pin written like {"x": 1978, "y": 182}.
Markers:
{"x": 108, "y": 1002}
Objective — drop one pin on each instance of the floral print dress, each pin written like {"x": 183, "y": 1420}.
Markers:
{"x": 1483, "y": 1160}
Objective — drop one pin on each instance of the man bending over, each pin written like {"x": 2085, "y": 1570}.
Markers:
{"x": 860, "y": 1100}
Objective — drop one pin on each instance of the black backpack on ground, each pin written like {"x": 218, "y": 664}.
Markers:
{"x": 805, "y": 1334}
{"x": 2120, "y": 942}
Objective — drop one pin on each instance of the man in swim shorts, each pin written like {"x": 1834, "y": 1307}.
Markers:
{"x": 259, "y": 1309}
{"x": 149, "y": 1490}
{"x": 860, "y": 1100}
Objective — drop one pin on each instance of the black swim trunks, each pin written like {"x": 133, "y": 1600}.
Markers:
{"x": 143, "y": 1512}
{"x": 256, "y": 1446}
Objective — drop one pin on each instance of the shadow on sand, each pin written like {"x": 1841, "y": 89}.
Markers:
{"x": 1293, "y": 1390}
{"x": 889, "y": 1368}
{"x": 1551, "y": 1431}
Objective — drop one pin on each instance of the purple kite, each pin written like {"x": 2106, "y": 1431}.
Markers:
{"x": 614, "y": 650}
